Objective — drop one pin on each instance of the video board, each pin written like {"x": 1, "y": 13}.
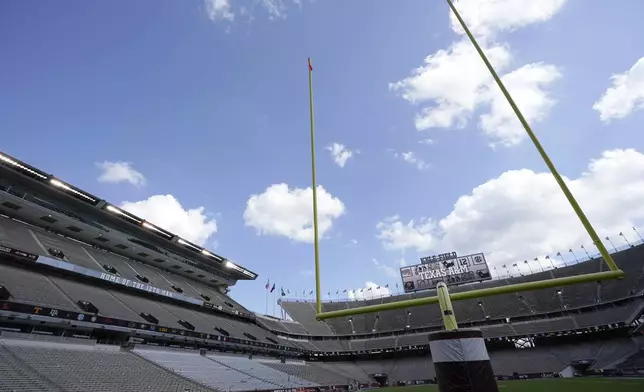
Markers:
{"x": 460, "y": 270}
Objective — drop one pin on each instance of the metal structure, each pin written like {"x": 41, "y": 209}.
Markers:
{"x": 443, "y": 295}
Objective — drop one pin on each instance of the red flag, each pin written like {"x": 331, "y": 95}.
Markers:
{"x": 310, "y": 66}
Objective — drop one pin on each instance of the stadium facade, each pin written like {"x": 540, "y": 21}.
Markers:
{"x": 95, "y": 298}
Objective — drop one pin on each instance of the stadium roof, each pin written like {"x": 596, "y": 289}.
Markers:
{"x": 86, "y": 202}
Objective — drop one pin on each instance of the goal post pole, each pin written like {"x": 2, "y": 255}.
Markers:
{"x": 613, "y": 273}
{"x": 537, "y": 144}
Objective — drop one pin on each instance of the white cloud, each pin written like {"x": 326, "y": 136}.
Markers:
{"x": 166, "y": 212}
{"x": 453, "y": 84}
{"x": 116, "y": 172}
{"x": 485, "y": 17}
{"x": 352, "y": 243}
{"x": 385, "y": 269}
{"x": 522, "y": 214}
{"x": 426, "y": 141}
{"x": 624, "y": 96}
{"x": 371, "y": 290}
{"x": 219, "y": 10}
{"x": 225, "y": 10}
{"x": 527, "y": 85}
{"x": 340, "y": 153}
{"x": 412, "y": 159}
{"x": 454, "y": 80}
{"x": 307, "y": 273}
{"x": 287, "y": 212}
{"x": 397, "y": 235}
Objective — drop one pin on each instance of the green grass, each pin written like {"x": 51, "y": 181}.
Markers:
{"x": 549, "y": 385}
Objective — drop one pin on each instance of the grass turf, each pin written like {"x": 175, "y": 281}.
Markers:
{"x": 549, "y": 385}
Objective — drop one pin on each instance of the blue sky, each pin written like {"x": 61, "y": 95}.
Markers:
{"x": 213, "y": 109}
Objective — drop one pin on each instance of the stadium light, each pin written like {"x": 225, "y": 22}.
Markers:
{"x": 122, "y": 213}
{"x": 12, "y": 162}
{"x": 61, "y": 185}
{"x": 613, "y": 273}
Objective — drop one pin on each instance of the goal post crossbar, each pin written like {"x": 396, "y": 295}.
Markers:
{"x": 474, "y": 294}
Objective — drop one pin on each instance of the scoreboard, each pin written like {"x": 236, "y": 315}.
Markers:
{"x": 452, "y": 271}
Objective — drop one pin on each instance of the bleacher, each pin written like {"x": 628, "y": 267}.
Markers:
{"x": 67, "y": 365}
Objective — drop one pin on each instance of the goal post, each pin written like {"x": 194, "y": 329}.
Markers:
{"x": 443, "y": 296}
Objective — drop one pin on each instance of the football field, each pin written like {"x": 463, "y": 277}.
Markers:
{"x": 549, "y": 385}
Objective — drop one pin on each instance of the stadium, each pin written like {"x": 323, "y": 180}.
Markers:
{"x": 93, "y": 298}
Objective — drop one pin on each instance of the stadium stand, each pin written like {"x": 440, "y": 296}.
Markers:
{"x": 159, "y": 309}
{"x": 73, "y": 365}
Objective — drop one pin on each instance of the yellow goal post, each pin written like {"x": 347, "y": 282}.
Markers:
{"x": 443, "y": 296}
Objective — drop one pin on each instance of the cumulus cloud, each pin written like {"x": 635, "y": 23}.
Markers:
{"x": 116, "y": 172}
{"x": 218, "y": 10}
{"x": 385, "y": 269}
{"x": 522, "y": 214}
{"x": 453, "y": 84}
{"x": 286, "y": 212}
{"x": 528, "y": 86}
{"x": 166, "y": 212}
{"x": 340, "y": 153}
{"x": 485, "y": 17}
{"x": 426, "y": 141}
{"x": 371, "y": 290}
{"x": 226, "y": 10}
{"x": 398, "y": 235}
{"x": 624, "y": 96}
{"x": 411, "y": 158}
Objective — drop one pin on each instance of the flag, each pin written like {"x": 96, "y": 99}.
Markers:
{"x": 288, "y": 291}
{"x": 361, "y": 290}
{"x": 337, "y": 292}
{"x": 369, "y": 289}
{"x": 547, "y": 257}
{"x": 504, "y": 266}
{"x": 525, "y": 262}
{"x": 536, "y": 259}
{"x": 514, "y": 265}
{"x": 620, "y": 233}
{"x": 283, "y": 293}
{"x": 607, "y": 239}
{"x": 387, "y": 285}
{"x": 396, "y": 284}
{"x": 268, "y": 285}
{"x": 570, "y": 250}
{"x": 378, "y": 288}
{"x": 558, "y": 253}
{"x": 310, "y": 65}
{"x": 273, "y": 288}
{"x": 329, "y": 293}
{"x": 311, "y": 293}
{"x": 344, "y": 291}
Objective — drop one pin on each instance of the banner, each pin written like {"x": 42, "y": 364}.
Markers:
{"x": 16, "y": 252}
{"x": 116, "y": 279}
{"x": 102, "y": 320}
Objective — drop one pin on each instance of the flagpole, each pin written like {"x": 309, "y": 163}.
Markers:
{"x": 316, "y": 241}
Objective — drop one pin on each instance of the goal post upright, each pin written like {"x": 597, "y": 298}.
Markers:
{"x": 442, "y": 295}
